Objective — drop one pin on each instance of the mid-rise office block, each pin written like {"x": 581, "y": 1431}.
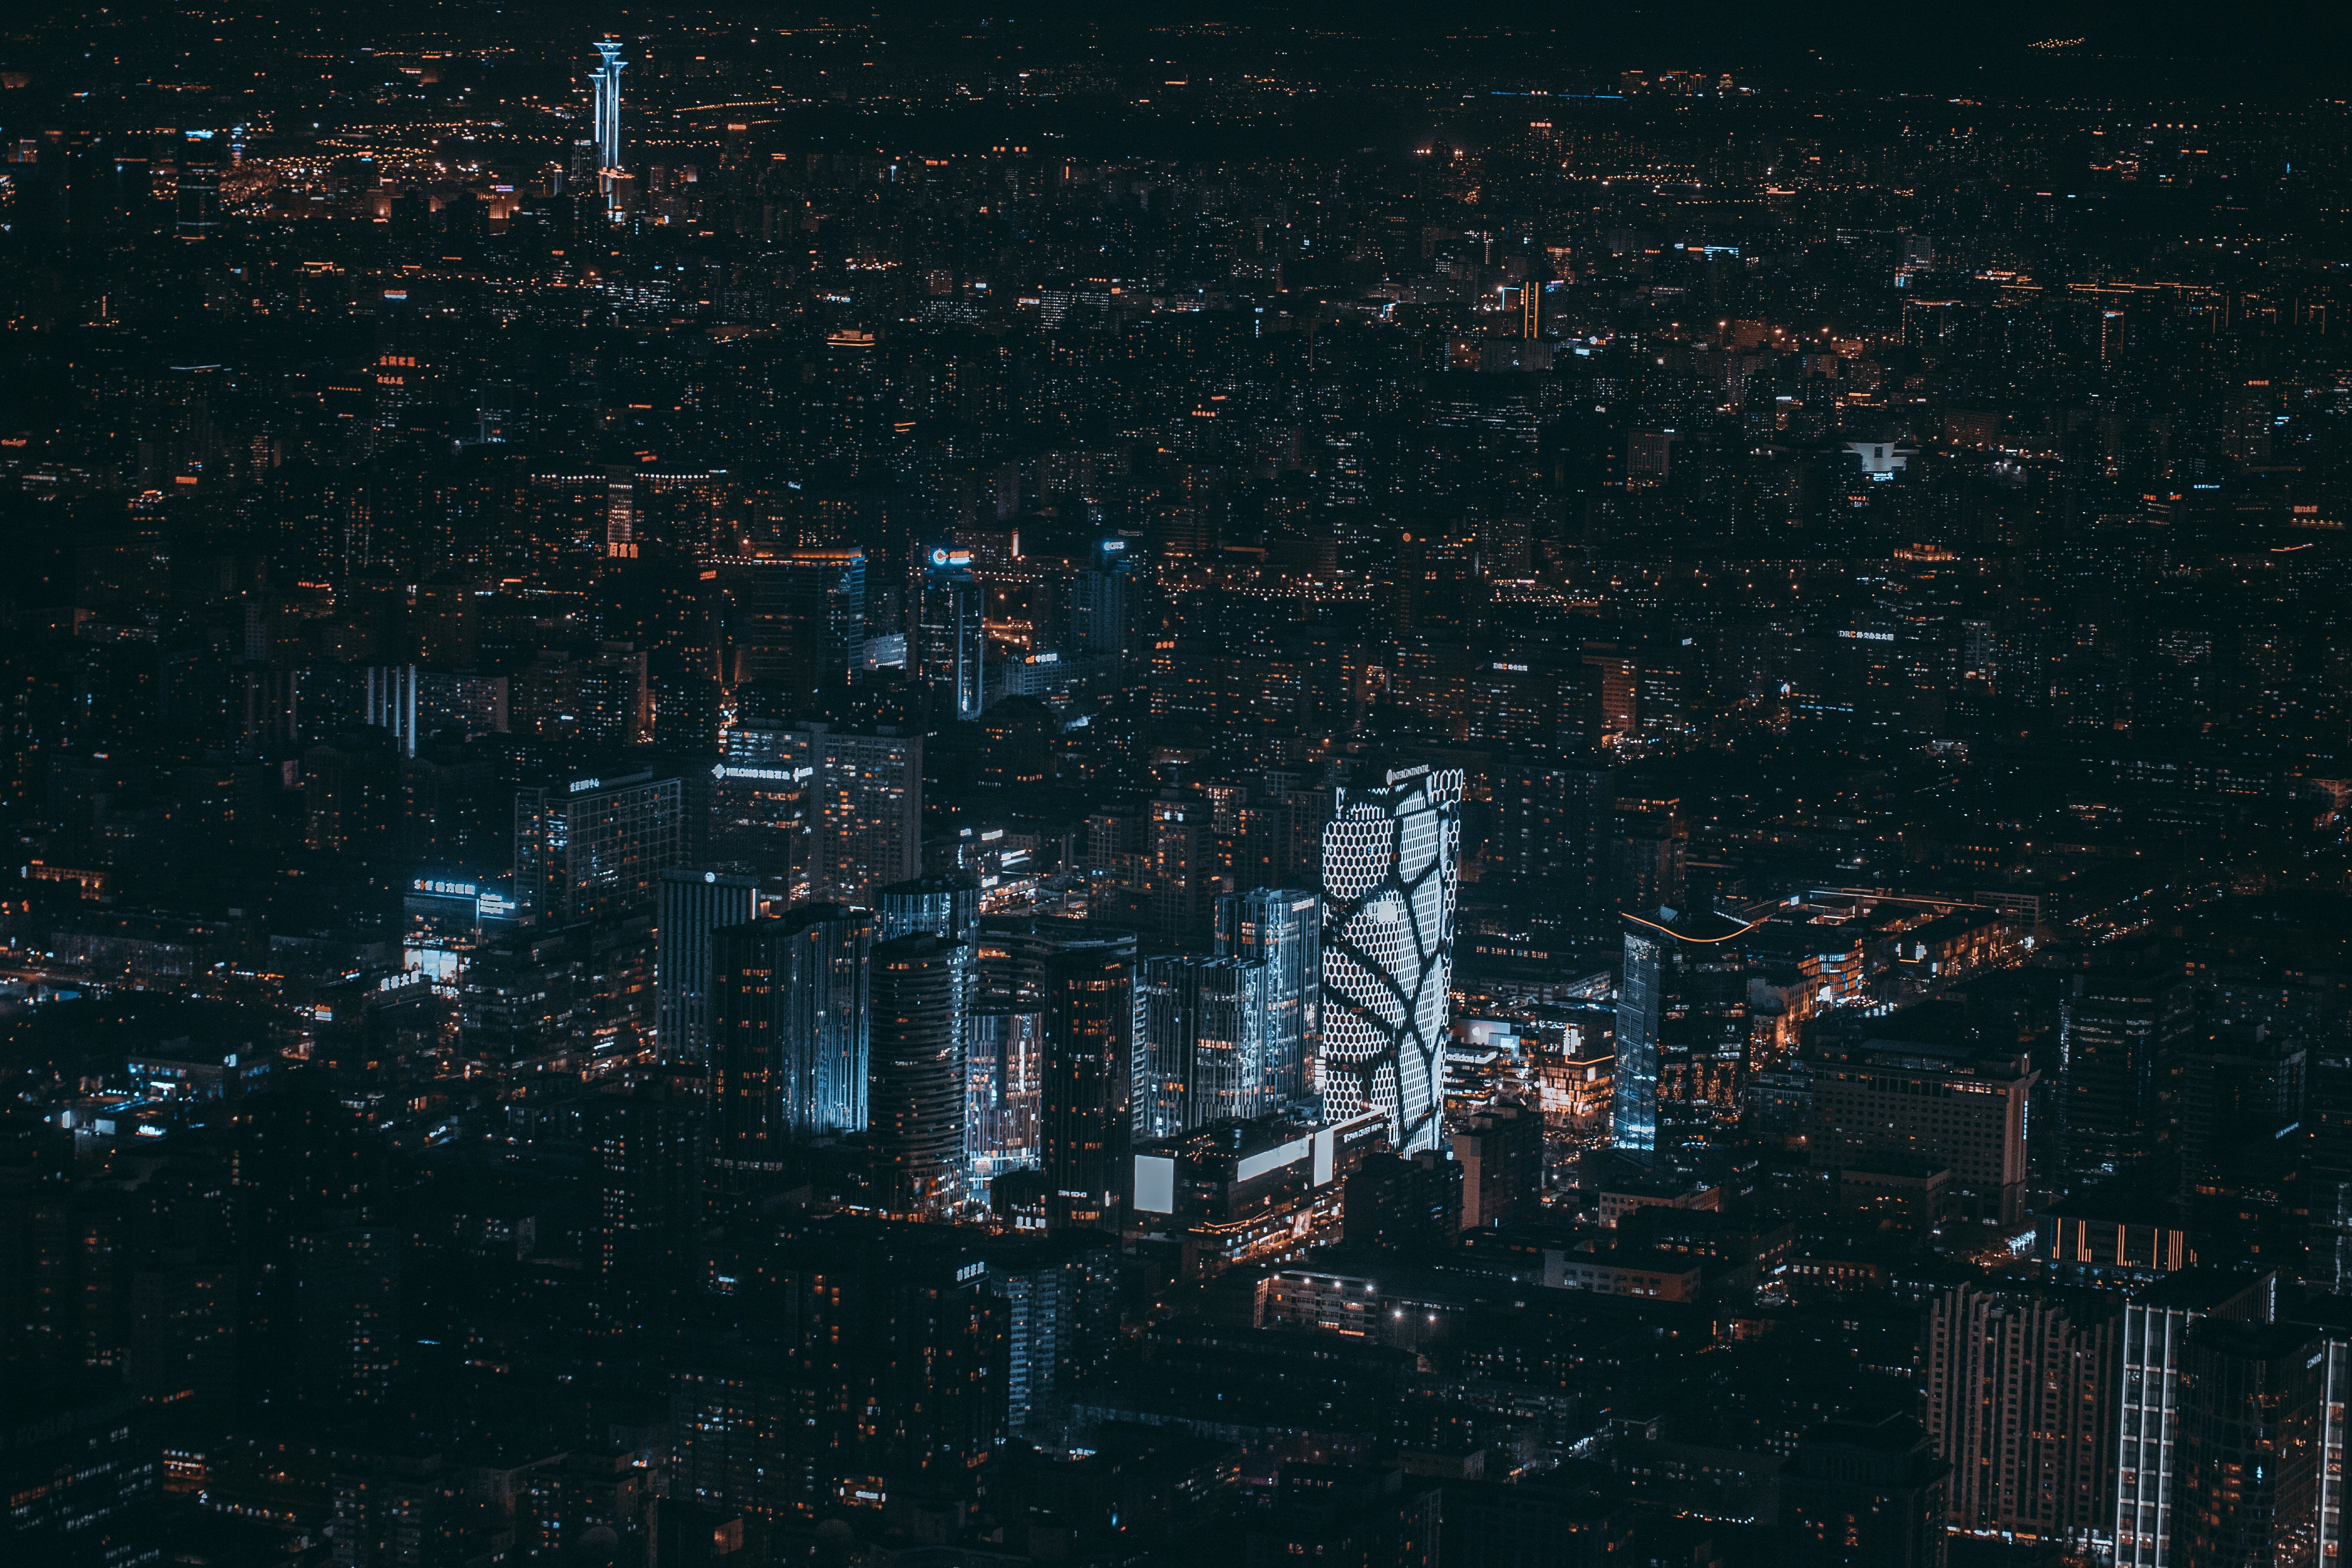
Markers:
{"x": 589, "y": 846}
{"x": 1898, "y": 1106}
{"x": 1501, "y": 1151}
{"x": 1236, "y": 1191}
{"x": 863, "y": 805}
{"x": 1865, "y": 1494}
{"x": 1410, "y": 1205}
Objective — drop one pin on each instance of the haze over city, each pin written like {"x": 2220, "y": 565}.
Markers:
{"x": 923, "y": 789}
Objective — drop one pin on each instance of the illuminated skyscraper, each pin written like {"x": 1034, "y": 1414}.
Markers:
{"x": 606, "y": 80}
{"x": 693, "y": 906}
{"x": 1088, "y": 991}
{"x": 949, "y": 908}
{"x": 1283, "y": 928}
{"x": 863, "y": 807}
{"x": 932, "y": 906}
{"x": 949, "y": 645}
{"x": 916, "y": 1110}
{"x": 1004, "y": 1059}
{"x": 789, "y": 1037}
{"x": 1390, "y": 855}
{"x": 1200, "y": 1046}
{"x": 586, "y": 848}
{"x": 1682, "y": 1033}
{"x": 199, "y": 213}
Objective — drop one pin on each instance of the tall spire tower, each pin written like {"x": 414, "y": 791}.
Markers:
{"x": 607, "y": 79}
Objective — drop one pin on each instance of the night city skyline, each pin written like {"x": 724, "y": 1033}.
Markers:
{"x": 1303, "y": 784}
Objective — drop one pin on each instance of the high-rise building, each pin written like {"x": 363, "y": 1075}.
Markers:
{"x": 789, "y": 1037}
{"x": 2327, "y": 1163}
{"x": 1181, "y": 879}
{"x": 864, "y": 802}
{"x": 936, "y": 906}
{"x": 418, "y": 704}
{"x": 2157, "y": 1323}
{"x": 1682, "y": 1033}
{"x": 82, "y": 1478}
{"x": 199, "y": 189}
{"x": 1014, "y": 951}
{"x": 2113, "y": 1030}
{"x": 646, "y": 1142}
{"x": 1087, "y": 997}
{"x": 762, "y": 814}
{"x": 916, "y": 1099}
{"x": 1389, "y": 869}
{"x": 1859, "y": 1494}
{"x": 1099, "y": 598}
{"x": 392, "y": 702}
{"x": 2247, "y": 1467}
{"x": 2021, "y": 1402}
{"x": 949, "y": 642}
{"x": 1501, "y": 1150}
{"x": 1004, "y": 1063}
{"x": 1282, "y": 927}
{"x": 798, "y": 619}
{"x": 606, "y": 79}
{"x": 2238, "y": 1087}
{"x": 1891, "y": 1105}
{"x": 693, "y": 905}
{"x": 1000, "y": 1049}
{"x": 345, "y": 1288}
{"x": 1550, "y": 846}
{"x": 883, "y": 1370}
{"x": 1404, "y": 1206}
{"x": 1061, "y": 1294}
{"x": 1200, "y": 1042}
{"x": 593, "y": 703}
{"x": 590, "y": 847}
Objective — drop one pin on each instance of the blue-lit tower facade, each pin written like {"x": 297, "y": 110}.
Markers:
{"x": 606, "y": 80}
{"x": 1633, "y": 1087}
{"x": 950, "y": 641}
{"x": 1283, "y": 929}
{"x": 1682, "y": 1036}
{"x": 790, "y": 1038}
